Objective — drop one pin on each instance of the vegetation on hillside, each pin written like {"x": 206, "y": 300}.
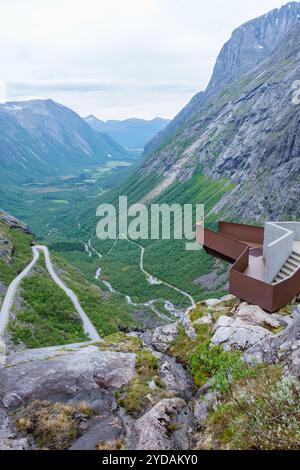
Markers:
{"x": 53, "y": 425}
{"x": 46, "y": 317}
{"x": 19, "y": 244}
{"x": 256, "y": 406}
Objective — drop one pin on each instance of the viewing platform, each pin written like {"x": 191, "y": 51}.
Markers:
{"x": 265, "y": 260}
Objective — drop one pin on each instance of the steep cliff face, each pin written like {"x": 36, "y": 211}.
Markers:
{"x": 248, "y": 46}
{"x": 251, "y": 43}
{"x": 245, "y": 127}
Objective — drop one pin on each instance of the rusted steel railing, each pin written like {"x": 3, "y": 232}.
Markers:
{"x": 233, "y": 244}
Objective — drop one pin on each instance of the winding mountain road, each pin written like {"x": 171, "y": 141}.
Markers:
{"x": 155, "y": 280}
{"x": 88, "y": 327}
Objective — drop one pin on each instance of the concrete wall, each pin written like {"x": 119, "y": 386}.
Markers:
{"x": 278, "y": 246}
{"x": 293, "y": 227}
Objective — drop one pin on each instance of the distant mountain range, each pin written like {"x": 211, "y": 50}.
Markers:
{"x": 130, "y": 133}
{"x": 42, "y": 137}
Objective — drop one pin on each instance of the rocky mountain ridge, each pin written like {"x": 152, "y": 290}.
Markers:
{"x": 130, "y": 133}
{"x": 41, "y": 137}
{"x": 245, "y": 127}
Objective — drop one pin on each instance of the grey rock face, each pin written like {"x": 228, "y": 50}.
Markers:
{"x": 66, "y": 376}
{"x": 247, "y": 328}
{"x": 236, "y": 334}
{"x": 13, "y": 222}
{"x": 107, "y": 429}
{"x": 150, "y": 432}
{"x": 176, "y": 379}
{"x": 164, "y": 336}
{"x": 255, "y": 315}
{"x": 246, "y": 127}
{"x": 203, "y": 406}
{"x": 251, "y": 43}
{"x": 284, "y": 348}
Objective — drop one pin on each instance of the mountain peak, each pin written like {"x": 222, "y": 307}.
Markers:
{"x": 251, "y": 43}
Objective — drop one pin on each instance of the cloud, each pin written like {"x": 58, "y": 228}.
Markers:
{"x": 58, "y": 85}
{"x": 92, "y": 85}
{"x": 116, "y": 58}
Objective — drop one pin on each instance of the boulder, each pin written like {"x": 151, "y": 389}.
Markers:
{"x": 255, "y": 315}
{"x": 234, "y": 333}
{"x": 176, "y": 379}
{"x": 163, "y": 336}
{"x": 151, "y": 431}
{"x": 283, "y": 347}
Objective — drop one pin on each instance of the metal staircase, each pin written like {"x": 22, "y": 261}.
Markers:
{"x": 289, "y": 268}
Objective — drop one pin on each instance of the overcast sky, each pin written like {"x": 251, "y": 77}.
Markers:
{"x": 116, "y": 58}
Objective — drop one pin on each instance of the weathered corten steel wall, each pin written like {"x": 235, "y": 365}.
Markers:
{"x": 226, "y": 246}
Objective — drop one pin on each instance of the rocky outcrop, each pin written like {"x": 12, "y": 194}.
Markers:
{"x": 283, "y": 347}
{"x": 252, "y": 43}
{"x": 85, "y": 374}
{"x": 164, "y": 336}
{"x": 249, "y": 326}
{"x": 234, "y": 333}
{"x": 152, "y": 431}
{"x": 72, "y": 375}
{"x": 13, "y": 222}
{"x": 255, "y": 315}
{"x": 245, "y": 127}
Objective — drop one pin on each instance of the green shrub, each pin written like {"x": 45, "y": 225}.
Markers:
{"x": 138, "y": 395}
{"x": 121, "y": 342}
{"x": 263, "y": 413}
{"x": 53, "y": 425}
{"x": 48, "y": 316}
{"x": 223, "y": 367}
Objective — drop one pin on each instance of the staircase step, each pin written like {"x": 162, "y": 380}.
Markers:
{"x": 277, "y": 279}
{"x": 294, "y": 260}
{"x": 281, "y": 276}
{"x": 293, "y": 264}
{"x": 287, "y": 271}
{"x": 296, "y": 256}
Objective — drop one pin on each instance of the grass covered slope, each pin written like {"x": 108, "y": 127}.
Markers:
{"x": 165, "y": 259}
{"x": 15, "y": 252}
{"x": 46, "y": 316}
